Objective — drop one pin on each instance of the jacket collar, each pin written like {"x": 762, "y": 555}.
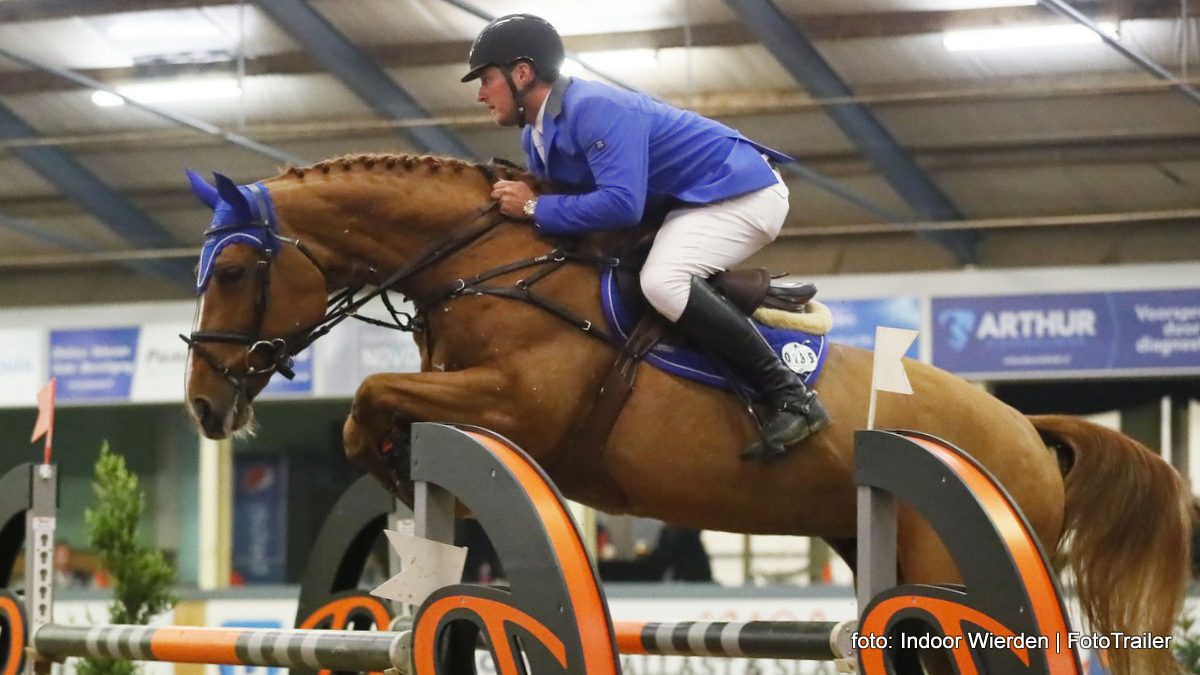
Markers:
{"x": 555, "y": 99}
{"x": 553, "y": 108}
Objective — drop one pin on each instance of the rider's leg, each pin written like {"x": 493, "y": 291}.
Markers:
{"x": 695, "y": 243}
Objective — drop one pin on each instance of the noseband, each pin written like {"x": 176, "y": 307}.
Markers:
{"x": 279, "y": 353}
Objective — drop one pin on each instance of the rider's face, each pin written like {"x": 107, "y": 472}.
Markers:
{"x": 494, "y": 92}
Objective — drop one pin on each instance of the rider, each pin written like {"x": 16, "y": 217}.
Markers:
{"x": 621, "y": 155}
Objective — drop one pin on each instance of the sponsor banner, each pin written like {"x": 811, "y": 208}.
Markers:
{"x": 93, "y": 364}
{"x": 260, "y": 518}
{"x": 250, "y": 613}
{"x": 355, "y": 350}
{"x": 161, "y": 363}
{"x": 300, "y": 386}
{"x": 854, "y": 321}
{"x": 22, "y": 366}
{"x": 1137, "y": 332}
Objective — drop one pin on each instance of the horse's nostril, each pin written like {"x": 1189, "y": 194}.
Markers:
{"x": 200, "y": 408}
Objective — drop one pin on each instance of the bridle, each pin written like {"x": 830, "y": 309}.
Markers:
{"x": 279, "y": 353}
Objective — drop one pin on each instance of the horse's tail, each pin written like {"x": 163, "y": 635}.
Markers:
{"x": 1127, "y": 527}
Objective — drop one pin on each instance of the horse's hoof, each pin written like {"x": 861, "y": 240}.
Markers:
{"x": 396, "y": 452}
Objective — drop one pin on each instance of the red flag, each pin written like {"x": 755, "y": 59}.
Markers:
{"x": 45, "y": 419}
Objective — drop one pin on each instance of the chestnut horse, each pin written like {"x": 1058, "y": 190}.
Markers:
{"x": 672, "y": 454}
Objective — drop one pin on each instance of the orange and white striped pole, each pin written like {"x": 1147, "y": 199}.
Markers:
{"x": 339, "y": 650}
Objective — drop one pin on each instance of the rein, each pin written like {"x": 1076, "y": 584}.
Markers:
{"x": 548, "y": 263}
{"x": 280, "y": 352}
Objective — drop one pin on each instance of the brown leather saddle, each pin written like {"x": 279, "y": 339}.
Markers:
{"x": 748, "y": 289}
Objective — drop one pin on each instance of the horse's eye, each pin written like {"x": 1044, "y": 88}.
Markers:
{"x": 230, "y": 275}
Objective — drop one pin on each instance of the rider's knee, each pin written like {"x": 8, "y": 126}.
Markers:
{"x": 666, "y": 289}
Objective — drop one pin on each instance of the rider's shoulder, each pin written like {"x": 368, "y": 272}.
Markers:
{"x": 584, "y": 96}
{"x": 581, "y": 90}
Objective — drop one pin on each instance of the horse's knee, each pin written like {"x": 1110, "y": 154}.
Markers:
{"x": 369, "y": 391}
{"x": 370, "y": 407}
{"x": 352, "y": 443}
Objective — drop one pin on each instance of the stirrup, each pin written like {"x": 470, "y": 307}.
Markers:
{"x": 766, "y": 449}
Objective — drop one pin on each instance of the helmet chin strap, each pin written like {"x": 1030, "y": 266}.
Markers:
{"x": 518, "y": 97}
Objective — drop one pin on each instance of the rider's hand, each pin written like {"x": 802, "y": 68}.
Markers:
{"x": 512, "y": 195}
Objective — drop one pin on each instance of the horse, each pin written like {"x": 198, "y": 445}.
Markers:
{"x": 422, "y": 225}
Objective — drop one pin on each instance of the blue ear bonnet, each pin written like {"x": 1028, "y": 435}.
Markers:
{"x": 242, "y": 214}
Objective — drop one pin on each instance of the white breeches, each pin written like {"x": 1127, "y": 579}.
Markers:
{"x": 704, "y": 240}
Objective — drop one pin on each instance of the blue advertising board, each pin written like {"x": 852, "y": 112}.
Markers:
{"x": 260, "y": 518}
{"x": 1069, "y": 334}
{"x": 251, "y": 670}
{"x": 854, "y": 321}
{"x": 95, "y": 364}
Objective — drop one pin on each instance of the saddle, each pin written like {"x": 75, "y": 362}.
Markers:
{"x": 751, "y": 290}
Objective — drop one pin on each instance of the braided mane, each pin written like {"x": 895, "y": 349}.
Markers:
{"x": 403, "y": 162}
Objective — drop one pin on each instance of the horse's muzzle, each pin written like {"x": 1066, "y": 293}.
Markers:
{"x": 212, "y": 424}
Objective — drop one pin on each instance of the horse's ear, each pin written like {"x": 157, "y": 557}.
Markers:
{"x": 203, "y": 191}
{"x": 232, "y": 195}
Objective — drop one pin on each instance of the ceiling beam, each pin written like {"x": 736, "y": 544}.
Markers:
{"x": 801, "y": 59}
{"x": 73, "y": 180}
{"x": 1031, "y": 153}
{"x": 32, "y": 230}
{"x": 356, "y": 70}
{"x": 174, "y": 117}
{"x": 47, "y": 10}
{"x": 831, "y": 26}
{"x": 817, "y": 28}
{"x": 721, "y": 105}
{"x": 61, "y": 170}
{"x": 1006, "y": 153}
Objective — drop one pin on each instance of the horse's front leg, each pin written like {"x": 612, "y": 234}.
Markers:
{"x": 385, "y": 405}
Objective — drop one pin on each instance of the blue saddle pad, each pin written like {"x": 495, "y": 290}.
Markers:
{"x": 802, "y": 352}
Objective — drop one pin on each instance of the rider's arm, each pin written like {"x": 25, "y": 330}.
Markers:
{"x": 617, "y": 142}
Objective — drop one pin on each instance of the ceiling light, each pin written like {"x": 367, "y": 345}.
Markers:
{"x": 613, "y": 61}
{"x": 170, "y": 91}
{"x": 157, "y": 29}
{"x": 1024, "y": 36}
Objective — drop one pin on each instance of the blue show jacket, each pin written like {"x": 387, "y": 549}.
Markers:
{"x": 620, "y": 152}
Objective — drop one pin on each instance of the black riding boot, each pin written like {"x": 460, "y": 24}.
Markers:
{"x": 726, "y": 333}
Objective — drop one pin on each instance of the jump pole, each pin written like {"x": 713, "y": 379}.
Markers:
{"x": 338, "y": 650}
{"x": 365, "y": 651}
{"x": 361, "y": 651}
{"x": 790, "y": 640}
{"x": 374, "y": 651}
{"x": 505, "y": 494}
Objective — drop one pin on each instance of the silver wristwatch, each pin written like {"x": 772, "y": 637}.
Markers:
{"x": 530, "y": 205}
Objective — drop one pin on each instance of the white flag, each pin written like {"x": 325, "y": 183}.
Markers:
{"x": 425, "y": 566}
{"x": 888, "y": 373}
